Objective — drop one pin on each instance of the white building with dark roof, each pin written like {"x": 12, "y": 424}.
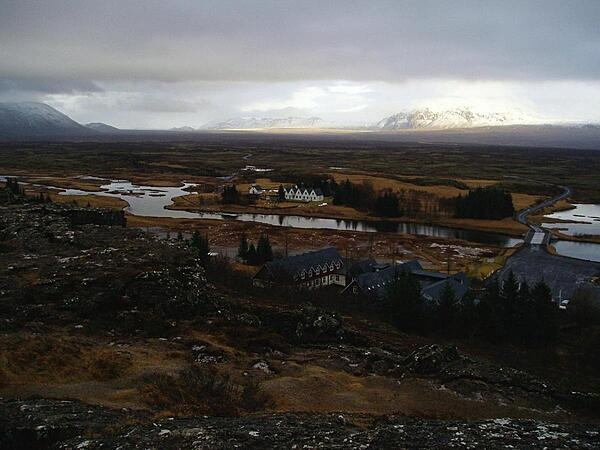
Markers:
{"x": 256, "y": 189}
{"x": 302, "y": 194}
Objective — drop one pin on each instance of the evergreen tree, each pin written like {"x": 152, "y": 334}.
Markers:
{"x": 243, "y": 247}
{"x": 446, "y": 310}
{"x": 281, "y": 193}
{"x": 544, "y": 322}
{"x": 405, "y": 302}
{"x": 251, "y": 257}
{"x": 264, "y": 252}
{"x": 485, "y": 203}
{"x": 230, "y": 195}
{"x": 200, "y": 243}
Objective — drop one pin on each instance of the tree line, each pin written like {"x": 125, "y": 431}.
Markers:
{"x": 13, "y": 192}
{"x": 510, "y": 311}
{"x": 485, "y": 203}
{"x": 489, "y": 202}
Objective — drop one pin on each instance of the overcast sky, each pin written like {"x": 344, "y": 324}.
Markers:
{"x": 149, "y": 64}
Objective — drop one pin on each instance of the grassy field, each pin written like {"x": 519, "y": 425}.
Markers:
{"x": 221, "y": 154}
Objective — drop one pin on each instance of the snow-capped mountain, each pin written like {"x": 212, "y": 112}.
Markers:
{"x": 102, "y": 127}
{"x": 248, "y": 123}
{"x": 451, "y": 118}
{"x": 31, "y": 119}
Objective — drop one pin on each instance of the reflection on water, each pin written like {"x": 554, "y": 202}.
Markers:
{"x": 151, "y": 201}
{"x": 581, "y": 250}
{"x": 583, "y": 219}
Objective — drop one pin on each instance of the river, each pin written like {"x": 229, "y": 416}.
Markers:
{"x": 151, "y": 201}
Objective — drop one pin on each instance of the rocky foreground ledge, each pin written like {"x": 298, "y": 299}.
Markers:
{"x": 37, "y": 424}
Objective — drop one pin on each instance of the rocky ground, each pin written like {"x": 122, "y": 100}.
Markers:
{"x": 37, "y": 424}
{"x": 112, "y": 338}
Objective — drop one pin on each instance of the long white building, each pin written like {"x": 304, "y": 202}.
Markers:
{"x": 296, "y": 194}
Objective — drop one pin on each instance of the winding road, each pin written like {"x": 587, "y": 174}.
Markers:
{"x": 522, "y": 217}
{"x": 536, "y": 237}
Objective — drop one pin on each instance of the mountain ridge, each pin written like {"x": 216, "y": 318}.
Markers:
{"x": 32, "y": 119}
{"x": 251, "y": 122}
{"x": 102, "y": 127}
{"x": 426, "y": 118}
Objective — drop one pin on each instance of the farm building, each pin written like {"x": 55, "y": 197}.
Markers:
{"x": 302, "y": 194}
{"x": 309, "y": 270}
{"x": 256, "y": 189}
{"x": 373, "y": 284}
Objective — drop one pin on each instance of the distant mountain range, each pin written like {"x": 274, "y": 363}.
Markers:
{"x": 30, "y": 120}
{"x": 450, "y": 118}
{"x": 252, "y": 123}
{"x": 182, "y": 129}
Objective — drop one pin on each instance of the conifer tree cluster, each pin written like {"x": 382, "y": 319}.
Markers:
{"x": 485, "y": 203}
{"x": 505, "y": 312}
{"x": 12, "y": 192}
{"x": 255, "y": 254}
{"x": 199, "y": 242}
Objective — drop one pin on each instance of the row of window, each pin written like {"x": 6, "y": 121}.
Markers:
{"x": 318, "y": 269}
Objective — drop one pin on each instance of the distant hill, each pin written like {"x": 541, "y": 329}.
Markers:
{"x": 102, "y": 127}
{"x": 451, "y": 118}
{"x": 186, "y": 129}
{"x": 253, "y": 123}
{"x": 33, "y": 120}
{"x": 565, "y": 136}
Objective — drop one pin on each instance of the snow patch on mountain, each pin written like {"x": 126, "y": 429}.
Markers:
{"x": 247, "y": 123}
{"x": 184, "y": 128}
{"x": 36, "y": 119}
{"x": 451, "y": 118}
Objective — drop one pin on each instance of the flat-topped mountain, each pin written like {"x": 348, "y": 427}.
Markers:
{"x": 247, "y": 123}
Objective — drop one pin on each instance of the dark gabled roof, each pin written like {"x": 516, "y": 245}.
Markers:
{"x": 458, "y": 282}
{"x": 376, "y": 282}
{"x": 318, "y": 191}
{"x": 410, "y": 266}
{"x": 358, "y": 267}
{"x": 285, "y": 268}
{"x": 428, "y": 274}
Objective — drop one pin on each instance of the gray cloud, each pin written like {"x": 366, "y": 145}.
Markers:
{"x": 152, "y": 63}
{"x": 42, "y": 85}
{"x": 225, "y": 40}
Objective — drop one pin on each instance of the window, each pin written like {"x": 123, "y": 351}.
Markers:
{"x": 318, "y": 270}
{"x": 303, "y": 274}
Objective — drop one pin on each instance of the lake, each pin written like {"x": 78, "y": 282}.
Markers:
{"x": 579, "y": 250}
{"x": 584, "y": 219}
